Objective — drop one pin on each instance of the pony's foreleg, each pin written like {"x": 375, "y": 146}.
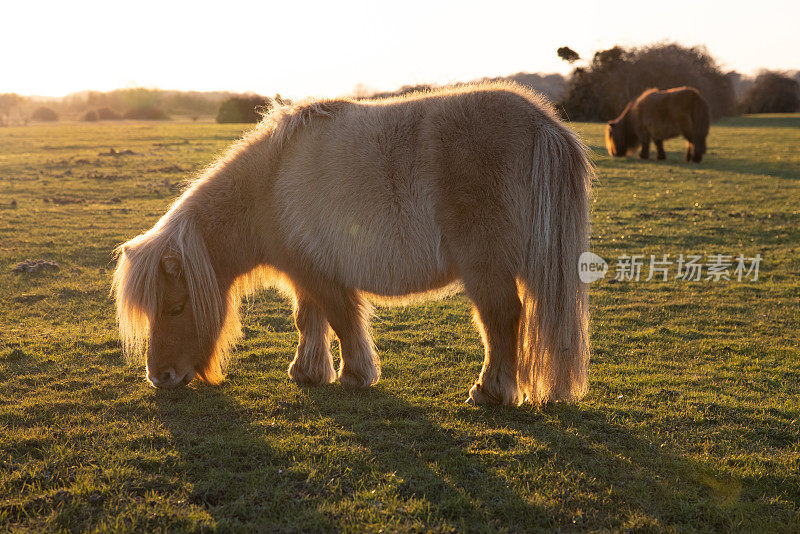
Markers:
{"x": 348, "y": 314}
{"x": 312, "y": 364}
{"x": 497, "y": 312}
{"x": 644, "y": 153}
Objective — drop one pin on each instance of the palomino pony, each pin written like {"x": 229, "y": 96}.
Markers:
{"x": 341, "y": 201}
{"x": 660, "y": 115}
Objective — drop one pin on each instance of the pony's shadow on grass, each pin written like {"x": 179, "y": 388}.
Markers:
{"x": 329, "y": 458}
{"x": 711, "y": 160}
{"x": 482, "y": 466}
{"x": 237, "y": 476}
{"x": 779, "y": 121}
{"x": 786, "y": 171}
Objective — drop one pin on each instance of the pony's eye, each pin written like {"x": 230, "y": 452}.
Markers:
{"x": 176, "y": 310}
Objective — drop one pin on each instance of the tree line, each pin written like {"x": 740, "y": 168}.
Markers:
{"x": 597, "y": 89}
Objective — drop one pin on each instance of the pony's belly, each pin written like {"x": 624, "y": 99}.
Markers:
{"x": 385, "y": 242}
{"x": 665, "y": 133}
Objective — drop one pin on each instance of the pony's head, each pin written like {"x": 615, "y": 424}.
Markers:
{"x": 612, "y": 143}
{"x": 616, "y": 139}
{"x": 621, "y": 140}
{"x": 171, "y": 307}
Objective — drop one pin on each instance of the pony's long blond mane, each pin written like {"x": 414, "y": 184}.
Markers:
{"x": 138, "y": 285}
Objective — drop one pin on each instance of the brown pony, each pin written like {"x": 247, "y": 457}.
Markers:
{"x": 660, "y": 115}
{"x": 340, "y": 202}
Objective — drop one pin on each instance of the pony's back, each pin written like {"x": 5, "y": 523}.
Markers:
{"x": 373, "y": 179}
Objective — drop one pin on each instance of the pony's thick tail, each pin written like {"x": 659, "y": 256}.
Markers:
{"x": 553, "y": 348}
{"x": 700, "y": 124}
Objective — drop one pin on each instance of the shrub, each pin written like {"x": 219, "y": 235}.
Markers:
{"x": 108, "y": 114}
{"x": 44, "y": 114}
{"x": 146, "y": 113}
{"x": 772, "y": 92}
{"x": 600, "y": 91}
{"x": 9, "y": 102}
{"x": 242, "y": 109}
{"x": 90, "y": 116}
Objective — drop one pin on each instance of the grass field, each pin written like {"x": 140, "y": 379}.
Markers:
{"x": 691, "y": 422}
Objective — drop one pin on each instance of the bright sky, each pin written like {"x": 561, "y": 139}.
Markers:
{"x": 304, "y": 48}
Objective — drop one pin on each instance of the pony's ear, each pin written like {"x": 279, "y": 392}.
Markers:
{"x": 127, "y": 249}
{"x": 172, "y": 265}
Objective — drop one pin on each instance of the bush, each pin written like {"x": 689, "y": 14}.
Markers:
{"x": 146, "y": 113}
{"x": 90, "y": 116}
{"x": 772, "y": 92}
{"x": 108, "y": 114}
{"x": 44, "y": 114}
{"x": 242, "y": 109}
{"x": 9, "y": 102}
{"x": 600, "y": 91}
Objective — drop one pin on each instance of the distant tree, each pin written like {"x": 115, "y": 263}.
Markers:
{"x": 553, "y": 86}
{"x": 740, "y": 83}
{"x": 239, "y": 109}
{"x": 772, "y": 92}
{"x": 568, "y": 54}
{"x": 600, "y": 91}
{"x": 108, "y": 114}
{"x": 146, "y": 113}
{"x": 8, "y": 102}
{"x": 138, "y": 97}
{"x": 190, "y": 103}
{"x": 90, "y": 116}
{"x": 44, "y": 114}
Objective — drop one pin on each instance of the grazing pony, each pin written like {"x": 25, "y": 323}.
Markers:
{"x": 339, "y": 201}
{"x": 660, "y": 115}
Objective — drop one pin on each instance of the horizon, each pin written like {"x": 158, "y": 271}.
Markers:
{"x": 331, "y": 49}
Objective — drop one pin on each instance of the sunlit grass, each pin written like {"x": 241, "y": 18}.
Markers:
{"x": 691, "y": 422}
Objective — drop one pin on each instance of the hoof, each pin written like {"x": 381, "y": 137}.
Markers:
{"x": 479, "y": 396}
{"x": 311, "y": 377}
{"x": 351, "y": 380}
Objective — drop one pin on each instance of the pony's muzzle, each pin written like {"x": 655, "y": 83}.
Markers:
{"x": 168, "y": 379}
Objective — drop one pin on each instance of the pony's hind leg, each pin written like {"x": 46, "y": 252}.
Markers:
{"x": 497, "y": 312}
{"x": 312, "y": 364}
{"x": 660, "y": 149}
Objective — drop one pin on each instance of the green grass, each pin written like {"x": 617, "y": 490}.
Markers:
{"x": 691, "y": 421}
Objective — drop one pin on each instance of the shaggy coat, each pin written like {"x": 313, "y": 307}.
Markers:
{"x": 660, "y": 115}
{"x": 340, "y": 202}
